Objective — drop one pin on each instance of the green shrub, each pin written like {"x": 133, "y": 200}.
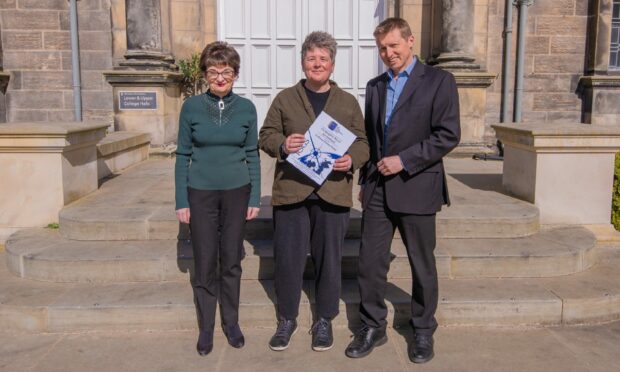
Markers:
{"x": 193, "y": 81}
{"x": 53, "y": 225}
{"x": 615, "y": 201}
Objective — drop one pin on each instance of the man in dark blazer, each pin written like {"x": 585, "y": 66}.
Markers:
{"x": 412, "y": 122}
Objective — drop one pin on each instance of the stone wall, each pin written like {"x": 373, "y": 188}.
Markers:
{"x": 554, "y": 60}
{"x": 37, "y": 53}
{"x": 193, "y": 25}
{"x": 422, "y": 20}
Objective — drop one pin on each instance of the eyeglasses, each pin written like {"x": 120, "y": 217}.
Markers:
{"x": 226, "y": 74}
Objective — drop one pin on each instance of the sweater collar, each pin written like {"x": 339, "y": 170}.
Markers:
{"x": 226, "y": 98}
{"x": 301, "y": 91}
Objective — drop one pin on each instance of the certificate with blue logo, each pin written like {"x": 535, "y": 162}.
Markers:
{"x": 326, "y": 141}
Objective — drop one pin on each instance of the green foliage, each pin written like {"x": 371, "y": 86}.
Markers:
{"x": 615, "y": 201}
{"x": 193, "y": 82}
{"x": 53, "y": 225}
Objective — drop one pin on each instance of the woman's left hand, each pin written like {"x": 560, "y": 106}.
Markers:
{"x": 343, "y": 164}
{"x": 252, "y": 213}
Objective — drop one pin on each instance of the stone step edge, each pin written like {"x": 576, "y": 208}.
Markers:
{"x": 158, "y": 227}
{"x": 539, "y": 302}
{"x": 258, "y": 264}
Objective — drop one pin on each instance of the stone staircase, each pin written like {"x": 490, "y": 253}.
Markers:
{"x": 113, "y": 263}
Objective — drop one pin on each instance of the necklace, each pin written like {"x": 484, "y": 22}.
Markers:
{"x": 219, "y": 110}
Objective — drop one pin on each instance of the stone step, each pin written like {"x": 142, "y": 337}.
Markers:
{"x": 589, "y": 296}
{"x": 43, "y": 254}
{"x": 458, "y": 221}
{"x": 139, "y": 205}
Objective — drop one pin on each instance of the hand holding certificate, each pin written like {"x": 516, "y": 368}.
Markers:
{"x": 325, "y": 141}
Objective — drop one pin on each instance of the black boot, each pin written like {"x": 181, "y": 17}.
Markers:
{"x": 234, "y": 336}
{"x": 205, "y": 342}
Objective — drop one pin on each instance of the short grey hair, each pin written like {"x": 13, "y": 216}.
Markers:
{"x": 319, "y": 39}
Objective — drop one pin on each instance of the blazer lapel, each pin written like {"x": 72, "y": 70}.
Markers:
{"x": 306, "y": 102}
{"x": 413, "y": 82}
{"x": 381, "y": 92}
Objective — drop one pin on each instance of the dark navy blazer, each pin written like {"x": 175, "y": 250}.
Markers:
{"x": 424, "y": 127}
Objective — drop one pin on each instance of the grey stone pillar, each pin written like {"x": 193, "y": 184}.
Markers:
{"x": 457, "y": 37}
{"x": 146, "y": 47}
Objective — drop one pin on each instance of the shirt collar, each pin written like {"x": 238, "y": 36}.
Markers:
{"x": 406, "y": 72}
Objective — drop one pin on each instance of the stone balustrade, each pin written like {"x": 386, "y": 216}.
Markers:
{"x": 566, "y": 170}
{"x": 43, "y": 167}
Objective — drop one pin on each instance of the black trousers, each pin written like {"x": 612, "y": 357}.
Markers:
{"x": 316, "y": 227}
{"x": 217, "y": 220}
{"x": 418, "y": 233}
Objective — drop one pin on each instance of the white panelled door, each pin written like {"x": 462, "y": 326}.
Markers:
{"x": 268, "y": 35}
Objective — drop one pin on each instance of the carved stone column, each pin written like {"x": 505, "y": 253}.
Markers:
{"x": 457, "y": 56}
{"x": 146, "y": 83}
{"x": 457, "y": 35}
{"x": 146, "y": 46}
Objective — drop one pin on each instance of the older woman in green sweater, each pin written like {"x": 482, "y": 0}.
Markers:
{"x": 217, "y": 178}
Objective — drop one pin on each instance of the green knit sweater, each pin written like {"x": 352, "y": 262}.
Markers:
{"x": 217, "y": 148}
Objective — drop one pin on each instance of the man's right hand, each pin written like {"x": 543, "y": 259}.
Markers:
{"x": 183, "y": 215}
{"x": 293, "y": 143}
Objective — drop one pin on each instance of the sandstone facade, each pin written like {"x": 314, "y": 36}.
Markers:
{"x": 566, "y": 40}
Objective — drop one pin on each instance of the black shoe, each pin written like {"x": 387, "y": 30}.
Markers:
{"x": 282, "y": 337}
{"x": 205, "y": 342}
{"x": 365, "y": 340}
{"x": 234, "y": 336}
{"x": 322, "y": 336}
{"x": 421, "y": 349}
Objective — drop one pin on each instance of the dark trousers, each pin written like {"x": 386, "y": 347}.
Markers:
{"x": 217, "y": 220}
{"x": 316, "y": 227}
{"x": 418, "y": 233}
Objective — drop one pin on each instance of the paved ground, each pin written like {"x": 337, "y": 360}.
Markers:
{"x": 576, "y": 348}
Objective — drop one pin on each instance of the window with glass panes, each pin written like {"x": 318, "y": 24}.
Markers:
{"x": 614, "y": 52}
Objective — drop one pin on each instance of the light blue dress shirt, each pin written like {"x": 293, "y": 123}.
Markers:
{"x": 394, "y": 89}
